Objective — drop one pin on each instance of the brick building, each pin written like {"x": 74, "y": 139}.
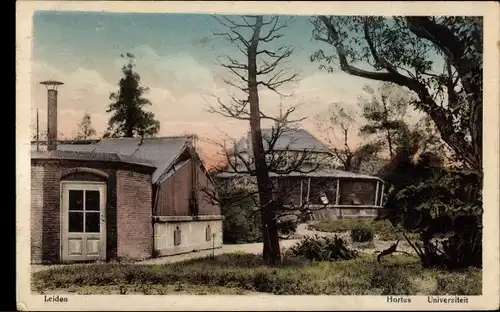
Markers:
{"x": 120, "y": 199}
{"x": 130, "y": 198}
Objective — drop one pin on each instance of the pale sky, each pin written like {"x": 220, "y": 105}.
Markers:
{"x": 176, "y": 59}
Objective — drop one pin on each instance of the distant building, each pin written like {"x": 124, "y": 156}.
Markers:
{"x": 328, "y": 193}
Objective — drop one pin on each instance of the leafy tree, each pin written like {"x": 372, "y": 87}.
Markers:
{"x": 385, "y": 114}
{"x": 437, "y": 201}
{"x": 129, "y": 119}
{"x": 406, "y": 51}
{"x": 387, "y": 119}
{"x": 85, "y": 129}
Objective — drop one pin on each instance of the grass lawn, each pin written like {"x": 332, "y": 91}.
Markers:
{"x": 383, "y": 228}
{"x": 244, "y": 273}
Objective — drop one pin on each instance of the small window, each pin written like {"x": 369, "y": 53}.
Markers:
{"x": 84, "y": 214}
{"x": 92, "y": 201}
{"x": 75, "y": 200}
{"x": 177, "y": 236}
{"x": 208, "y": 233}
{"x": 75, "y": 222}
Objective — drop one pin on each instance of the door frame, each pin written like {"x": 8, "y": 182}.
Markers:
{"x": 83, "y": 185}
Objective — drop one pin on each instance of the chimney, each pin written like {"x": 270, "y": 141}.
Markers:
{"x": 51, "y": 113}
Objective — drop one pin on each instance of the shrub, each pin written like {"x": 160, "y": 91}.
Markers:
{"x": 362, "y": 233}
{"x": 287, "y": 227}
{"x": 437, "y": 201}
{"x": 322, "y": 248}
{"x": 241, "y": 223}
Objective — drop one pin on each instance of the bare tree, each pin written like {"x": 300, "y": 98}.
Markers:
{"x": 337, "y": 124}
{"x": 260, "y": 66}
{"x": 292, "y": 203}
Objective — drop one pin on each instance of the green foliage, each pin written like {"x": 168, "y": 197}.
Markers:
{"x": 362, "y": 233}
{"x": 385, "y": 114}
{"x": 383, "y": 228}
{"x": 391, "y": 281}
{"x": 129, "y": 119}
{"x": 437, "y": 201}
{"x": 246, "y": 273}
{"x": 403, "y": 50}
{"x": 287, "y": 227}
{"x": 241, "y": 222}
{"x": 319, "y": 248}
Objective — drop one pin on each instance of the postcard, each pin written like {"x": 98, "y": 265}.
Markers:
{"x": 220, "y": 155}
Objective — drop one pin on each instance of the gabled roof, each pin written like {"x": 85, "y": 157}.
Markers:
{"x": 162, "y": 152}
{"x": 159, "y": 152}
{"x": 291, "y": 139}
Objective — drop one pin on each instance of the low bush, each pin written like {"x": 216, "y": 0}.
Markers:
{"x": 362, "y": 233}
{"x": 319, "y": 248}
{"x": 287, "y": 227}
{"x": 383, "y": 228}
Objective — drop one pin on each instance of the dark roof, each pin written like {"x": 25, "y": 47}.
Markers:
{"x": 323, "y": 173}
{"x": 290, "y": 139}
{"x": 92, "y": 156}
{"x": 159, "y": 153}
{"x": 162, "y": 152}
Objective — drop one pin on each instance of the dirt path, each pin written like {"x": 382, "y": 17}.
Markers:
{"x": 255, "y": 248}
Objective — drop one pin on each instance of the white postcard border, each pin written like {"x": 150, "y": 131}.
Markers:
{"x": 491, "y": 277}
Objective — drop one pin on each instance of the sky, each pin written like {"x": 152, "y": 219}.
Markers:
{"x": 176, "y": 57}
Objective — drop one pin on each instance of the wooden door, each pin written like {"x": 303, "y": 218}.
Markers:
{"x": 83, "y": 217}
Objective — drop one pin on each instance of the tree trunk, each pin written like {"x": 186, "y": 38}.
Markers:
{"x": 271, "y": 249}
{"x": 386, "y": 121}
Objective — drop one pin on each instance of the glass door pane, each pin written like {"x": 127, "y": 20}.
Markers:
{"x": 92, "y": 211}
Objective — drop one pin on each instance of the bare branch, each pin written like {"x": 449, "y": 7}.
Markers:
{"x": 272, "y": 33}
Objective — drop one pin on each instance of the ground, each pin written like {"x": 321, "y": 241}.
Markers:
{"x": 237, "y": 269}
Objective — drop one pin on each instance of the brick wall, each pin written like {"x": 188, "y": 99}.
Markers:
{"x": 36, "y": 213}
{"x": 134, "y": 221}
{"x": 45, "y": 205}
{"x": 51, "y": 214}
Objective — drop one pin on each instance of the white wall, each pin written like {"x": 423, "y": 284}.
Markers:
{"x": 193, "y": 236}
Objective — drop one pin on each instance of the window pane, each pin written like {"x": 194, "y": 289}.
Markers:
{"x": 92, "y": 200}
{"x": 208, "y": 233}
{"x": 75, "y": 222}
{"x": 92, "y": 222}
{"x": 75, "y": 200}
